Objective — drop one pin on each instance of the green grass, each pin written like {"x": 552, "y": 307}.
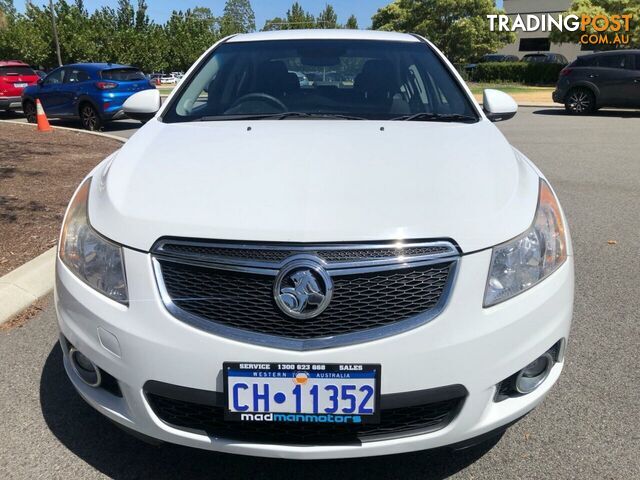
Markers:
{"x": 477, "y": 88}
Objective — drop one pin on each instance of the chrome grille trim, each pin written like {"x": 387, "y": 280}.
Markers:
{"x": 337, "y": 269}
{"x": 277, "y": 255}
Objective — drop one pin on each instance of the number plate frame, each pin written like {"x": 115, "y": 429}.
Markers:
{"x": 292, "y": 417}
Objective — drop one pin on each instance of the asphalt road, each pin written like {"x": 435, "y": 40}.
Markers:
{"x": 587, "y": 428}
{"x": 123, "y": 128}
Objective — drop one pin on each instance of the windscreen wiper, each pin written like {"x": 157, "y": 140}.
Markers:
{"x": 436, "y": 117}
{"x": 279, "y": 116}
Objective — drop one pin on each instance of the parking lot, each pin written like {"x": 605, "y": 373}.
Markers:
{"x": 122, "y": 128}
{"x": 588, "y": 427}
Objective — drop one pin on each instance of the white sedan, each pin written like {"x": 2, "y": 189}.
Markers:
{"x": 320, "y": 272}
{"x": 168, "y": 79}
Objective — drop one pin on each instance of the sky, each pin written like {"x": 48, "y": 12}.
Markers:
{"x": 160, "y": 10}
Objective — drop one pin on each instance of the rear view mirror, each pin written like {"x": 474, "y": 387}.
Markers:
{"x": 143, "y": 105}
{"x": 498, "y": 105}
{"x": 320, "y": 61}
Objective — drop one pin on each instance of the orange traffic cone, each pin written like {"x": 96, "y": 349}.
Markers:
{"x": 43, "y": 123}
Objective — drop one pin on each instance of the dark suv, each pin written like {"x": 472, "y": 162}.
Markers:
{"x": 606, "y": 79}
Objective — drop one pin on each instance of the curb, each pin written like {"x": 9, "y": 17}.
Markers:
{"x": 70, "y": 129}
{"x": 26, "y": 284}
{"x": 33, "y": 280}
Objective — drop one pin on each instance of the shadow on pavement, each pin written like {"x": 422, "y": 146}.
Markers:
{"x": 599, "y": 113}
{"x": 106, "y": 448}
{"x": 108, "y": 127}
{"x": 10, "y": 115}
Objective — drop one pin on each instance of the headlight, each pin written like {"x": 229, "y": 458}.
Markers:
{"x": 93, "y": 258}
{"x": 519, "y": 264}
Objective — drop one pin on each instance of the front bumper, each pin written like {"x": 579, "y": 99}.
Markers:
{"x": 10, "y": 102}
{"x": 465, "y": 345}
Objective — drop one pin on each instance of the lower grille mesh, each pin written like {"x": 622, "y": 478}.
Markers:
{"x": 393, "y": 422}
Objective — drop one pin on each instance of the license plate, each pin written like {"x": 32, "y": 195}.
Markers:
{"x": 20, "y": 85}
{"x": 302, "y": 393}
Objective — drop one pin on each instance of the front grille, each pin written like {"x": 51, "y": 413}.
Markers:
{"x": 394, "y": 422}
{"x": 374, "y": 289}
{"x": 271, "y": 256}
{"x": 379, "y": 253}
{"x": 274, "y": 254}
{"x": 360, "y": 301}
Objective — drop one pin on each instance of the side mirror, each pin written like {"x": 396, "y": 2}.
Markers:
{"x": 143, "y": 105}
{"x": 498, "y": 105}
{"x": 40, "y": 82}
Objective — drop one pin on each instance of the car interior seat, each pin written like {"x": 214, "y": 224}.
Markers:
{"x": 377, "y": 83}
{"x": 273, "y": 78}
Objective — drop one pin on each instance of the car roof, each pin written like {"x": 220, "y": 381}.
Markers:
{"x": 321, "y": 34}
{"x": 623, "y": 51}
{"x": 98, "y": 66}
{"x": 12, "y": 63}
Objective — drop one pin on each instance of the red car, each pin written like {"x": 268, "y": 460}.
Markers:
{"x": 14, "y": 76}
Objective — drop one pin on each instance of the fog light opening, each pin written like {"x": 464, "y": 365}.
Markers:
{"x": 88, "y": 372}
{"x": 532, "y": 376}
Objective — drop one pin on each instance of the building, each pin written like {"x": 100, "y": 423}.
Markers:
{"x": 536, "y": 42}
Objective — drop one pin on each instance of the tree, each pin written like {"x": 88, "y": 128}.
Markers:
{"x": 188, "y": 35}
{"x": 126, "y": 15}
{"x": 607, "y": 8}
{"x": 458, "y": 27}
{"x": 7, "y": 8}
{"x": 328, "y": 18}
{"x": 28, "y": 37}
{"x": 141, "y": 18}
{"x": 7, "y": 12}
{"x": 276, "y": 23}
{"x": 124, "y": 34}
{"x": 297, "y": 18}
{"x": 238, "y": 17}
{"x": 352, "y": 23}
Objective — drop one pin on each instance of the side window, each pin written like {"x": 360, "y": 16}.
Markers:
{"x": 613, "y": 61}
{"x": 55, "y": 77}
{"x": 76, "y": 76}
{"x": 589, "y": 61}
{"x": 637, "y": 59}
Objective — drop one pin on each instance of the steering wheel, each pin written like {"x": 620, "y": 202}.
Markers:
{"x": 260, "y": 97}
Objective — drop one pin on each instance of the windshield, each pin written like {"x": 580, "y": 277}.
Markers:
{"x": 321, "y": 78}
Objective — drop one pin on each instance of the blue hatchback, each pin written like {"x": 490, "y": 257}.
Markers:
{"x": 92, "y": 92}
